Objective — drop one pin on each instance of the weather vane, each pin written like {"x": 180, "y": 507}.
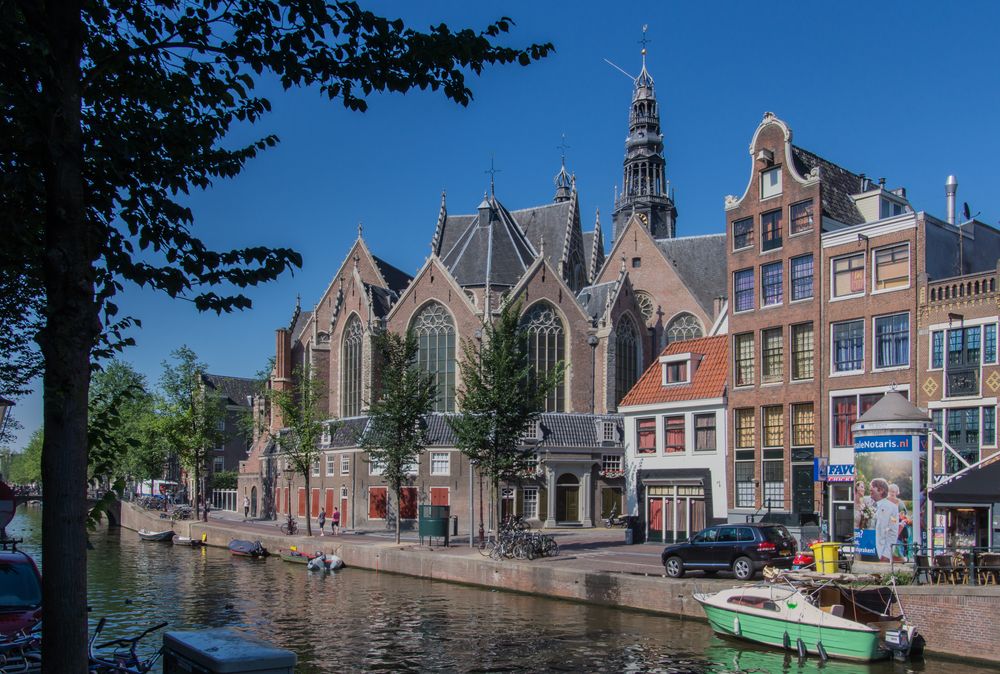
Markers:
{"x": 645, "y": 40}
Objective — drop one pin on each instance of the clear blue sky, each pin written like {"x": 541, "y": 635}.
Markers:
{"x": 904, "y": 90}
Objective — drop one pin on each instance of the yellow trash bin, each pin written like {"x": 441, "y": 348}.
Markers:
{"x": 827, "y": 555}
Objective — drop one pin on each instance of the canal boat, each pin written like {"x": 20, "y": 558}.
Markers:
{"x": 191, "y": 542}
{"x": 247, "y": 549}
{"x": 159, "y": 536}
{"x": 295, "y": 557}
{"x": 813, "y": 614}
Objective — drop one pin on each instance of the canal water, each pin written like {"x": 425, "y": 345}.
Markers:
{"x": 361, "y": 620}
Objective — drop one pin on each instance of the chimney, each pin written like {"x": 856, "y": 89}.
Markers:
{"x": 950, "y": 188}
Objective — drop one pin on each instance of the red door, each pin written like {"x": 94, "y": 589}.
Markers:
{"x": 343, "y": 511}
{"x": 408, "y": 503}
{"x": 302, "y": 501}
{"x": 439, "y": 496}
{"x": 277, "y": 499}
{"x": 655, "y": 519}
{"x": 376, "y": 503}
{"x": 329, "y": 503}
{"x": 314, "y": 502}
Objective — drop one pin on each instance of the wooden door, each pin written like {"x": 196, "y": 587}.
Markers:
{"x": 376, "y": 503}
{"x": 343, "y": 511}
{"x": 408, "y": 503}
{"x": 655, "y": 519}
{"x": 329, "y": 503}
{"x": 440, "y": 496}
{"x": 302, "y": 501}
{"x": 572, "y": 504}
{"x": 314, "y": 502}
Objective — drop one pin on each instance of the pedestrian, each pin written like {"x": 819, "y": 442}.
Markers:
{"x": 335, "y": 522}
{"x": 322, "y": 521}
{"x": 246, "y": 507}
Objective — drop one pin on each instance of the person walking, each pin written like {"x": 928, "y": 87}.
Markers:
{"x": 246, "y": 507}
{"x": 322, "y": 521}
{"x": 335, "y": 522}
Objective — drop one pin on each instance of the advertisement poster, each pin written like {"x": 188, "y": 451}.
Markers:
{"x": 884, "y": 510}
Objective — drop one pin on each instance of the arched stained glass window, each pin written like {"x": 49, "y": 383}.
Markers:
{"x": 545, "y": 339}
{"x": 626, "y": 356}
{"x": 435, "y": 331}
{"x": 350, "y": 385}
{"x": 683, "y": 326}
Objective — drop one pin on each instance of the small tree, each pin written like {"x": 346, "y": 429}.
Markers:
{"x": 501, "y": 395}
{"x": 396, "y": 434}
{"x": 304, "y": 423}
{"x": 190, "y": 415}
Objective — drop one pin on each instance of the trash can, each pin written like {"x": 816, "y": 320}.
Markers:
{"x": 214, "y": 651}
{"x": 827, "y": 555}
{"x": 454, "y": 525}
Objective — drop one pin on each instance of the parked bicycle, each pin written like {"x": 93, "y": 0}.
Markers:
{"x": 123, "y": 657}
{"x": 520, "y": 545}
{"x": 289, "y": 527}
{"x": 514, "y": 523}
{"x": 22, "y": 652}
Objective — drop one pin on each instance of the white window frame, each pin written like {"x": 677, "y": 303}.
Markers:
{"x": 533, "y": 491}
{"x": 834, "y": 372}
{"x": 412, "y": 468}
{"x": 331, "y": 465}
{"x": 447, "y": 463}
{"x": 345, "y": 464}
{"x": 833, "y": 277}
{"x": 769, "y": 192}
{"x": 612, "y": 462}
{"x": 909, "y": 267}
{"x": 218, "y": 464}
{"x": 909, "y": 342}
{"x": 375, "y": 467}
{"x": 675, "y": 359}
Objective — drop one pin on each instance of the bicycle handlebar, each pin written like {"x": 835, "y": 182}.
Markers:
{"x": 131, "y": 641}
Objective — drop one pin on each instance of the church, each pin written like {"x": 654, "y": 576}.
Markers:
{"x": 606, "y": 315}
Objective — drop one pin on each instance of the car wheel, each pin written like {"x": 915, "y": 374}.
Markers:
{"x": 674, "y": 567}
{"x": 743, "y": 568}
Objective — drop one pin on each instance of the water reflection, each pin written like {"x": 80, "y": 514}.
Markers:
{"x": 360, "y": 620}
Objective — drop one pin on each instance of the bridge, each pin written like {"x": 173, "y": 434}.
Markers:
{"x": 113, "y": 513}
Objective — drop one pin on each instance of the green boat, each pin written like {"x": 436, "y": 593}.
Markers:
{"x": 294, "y": 556}
{"x": 823, "y": 619}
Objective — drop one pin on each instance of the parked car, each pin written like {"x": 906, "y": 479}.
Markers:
{"x": 743, "y": 549}
{"x": 20, "y": 592}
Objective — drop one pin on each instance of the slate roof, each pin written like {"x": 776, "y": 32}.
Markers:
{"x": 838, "y": 186}
{"x": 588, "y": 251}
{"x": 700, "y": 261}
{"x": 382, "y": 299}
{"x": 593, "y": 299}
{"x": 453, "y": 228}
{"x": 548, "y": 221}
{"x": 236, "y": 389}
{"x": 395, "y": 277}
{"x": 348, "y": 432}
{"x": 300, "y": 324}
{"x": 708, "y": 381}
{"x": 495, "y": 251}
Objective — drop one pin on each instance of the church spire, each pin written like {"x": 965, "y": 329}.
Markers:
{"x": 563, "y": 181}
{"x": 644, "y": 182}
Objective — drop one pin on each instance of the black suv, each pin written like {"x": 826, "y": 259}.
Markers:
{"x": 743, "y": 549}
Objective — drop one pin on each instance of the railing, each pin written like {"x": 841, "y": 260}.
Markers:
{"x": 225, "y": 499}
{"x": 960, "y": 287}
{"x": 976, "y": 565}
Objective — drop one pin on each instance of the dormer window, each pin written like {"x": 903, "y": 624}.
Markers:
{"x": 678, "y": 368}
{"x": 325, "y": 438}
{"x": 770, "y": 183}
{"x": 676, "y": 373}
{"x": 889, "y": 208}
{"x": 608, "y": 432}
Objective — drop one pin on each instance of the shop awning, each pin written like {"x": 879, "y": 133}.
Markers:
{"x": 979, "y": 485}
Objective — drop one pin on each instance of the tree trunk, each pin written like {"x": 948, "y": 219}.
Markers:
{"x": 197, "y": 491}
{"x": 498, "y": 504}
{"x": 309, "y": 531}
{"x": 399, "y": 509}
{"x": 66, "y": 341}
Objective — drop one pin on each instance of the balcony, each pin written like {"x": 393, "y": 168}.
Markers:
{"x": 962, "y": 382}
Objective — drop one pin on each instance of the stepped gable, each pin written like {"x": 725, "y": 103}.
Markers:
{"x": 700, "y": 261}
{"x": 492, "y": 250}
{"x": 236, "y": 389}
{"x": 838, "y": 186}
{"x": 546, "y": 223}
{"x": 708, "y": 381}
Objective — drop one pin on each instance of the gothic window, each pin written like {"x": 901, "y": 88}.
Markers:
{"x": 626, "y": 356}
{"x": 435, "y": 332}
{"x": 545, "y": 340}
{"x": 683, "y": 326}
{"x": 350, "y": 387}
{"x": 645, "y": 303}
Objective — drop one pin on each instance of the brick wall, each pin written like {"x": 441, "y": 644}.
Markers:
{"x": 957, "y": 621}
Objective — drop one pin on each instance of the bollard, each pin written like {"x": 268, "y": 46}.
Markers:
{"x": 218, "y": 650}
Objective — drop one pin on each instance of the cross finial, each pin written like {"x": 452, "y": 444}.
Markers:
{"x": 492, "y": 171}
{"x": 359, "y": 230}
{"x": 644, "y": 41}
{"x": 562, "y": 147}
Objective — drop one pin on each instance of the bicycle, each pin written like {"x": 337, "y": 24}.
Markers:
{"x": 121, "y": 661}
{"x": 289, "y": 527}
{"x": 22, "y": 652}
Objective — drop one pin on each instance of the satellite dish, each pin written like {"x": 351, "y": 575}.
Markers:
{"x": 965, "y": 210}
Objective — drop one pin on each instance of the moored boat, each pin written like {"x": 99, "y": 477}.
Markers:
{"x": 818, "y": 617}
{"x": 190, "y": 542}
{"x": 162, "y": 536}
{"x": 294, "y": 556}
{"x": 323, "y": 562}
{"x": 247, "y": 549}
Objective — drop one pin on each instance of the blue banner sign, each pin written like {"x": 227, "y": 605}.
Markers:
{"x": 886, "y": 477}
{"x": 883, "y": 443}
{"x": 840, "y": 472}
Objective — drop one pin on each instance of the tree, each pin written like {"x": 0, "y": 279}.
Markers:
{"x": 113, "y": 111}
{"x": 26, "y": 466}
{"x": 303, "y": 425}
{"x": 191, "y": 415}
{"x": 396, "y": 433}
{"x": 500, "y": 397}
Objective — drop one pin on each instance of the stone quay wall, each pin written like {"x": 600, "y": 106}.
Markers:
{"x": 956, "y": 621}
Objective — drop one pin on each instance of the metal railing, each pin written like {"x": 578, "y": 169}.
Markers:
{"x": 225, "y": 499}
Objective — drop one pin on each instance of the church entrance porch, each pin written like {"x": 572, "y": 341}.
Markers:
{"x": 567, "y": 499}
{"x": 569, "y": 490}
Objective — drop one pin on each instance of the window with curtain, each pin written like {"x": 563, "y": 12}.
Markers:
{"x": 743, "y": 233}
{"x": 802, "y": 277}
{"x": 774, "y": 426}
{"x": 645, "y": 436}
{"x": 849, "y": 346}
{"x": 801, "y": 217}
{"x": 673, "y": 434}
{"x": 772, "y": 366}
{"x": 802, "y": 351}
{"x": 626, "y": 356}
{"x": 435, "y": 332}
{"x": 892, "y": 340}
{"x": 771, "y": 285}
{"x": 683, "y": 326}
{"x": 744, "y": 425}
{"x": 770, "y": 230}
{"x": 744, "y": 357}
{"x": 892, "y": 267}
{"x": 704, "y": 432}
{"x": 743, "y": 289}
{"x": 545, "y": 339}
{"x": 845, "y": 412}
{"x": 350, "y": 389}
{"x": 849, "y": 275}
{"x": 803, "y": 425}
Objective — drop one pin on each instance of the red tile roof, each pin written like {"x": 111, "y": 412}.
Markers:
{"x": 709, "y": 379}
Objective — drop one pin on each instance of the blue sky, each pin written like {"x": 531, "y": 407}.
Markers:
{"x": 908, "y": 91}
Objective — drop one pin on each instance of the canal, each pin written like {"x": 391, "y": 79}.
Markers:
{"x": 361, "y": 620}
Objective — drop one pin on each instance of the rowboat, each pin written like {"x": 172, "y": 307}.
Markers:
{"x": 323, "y": 562}
{"x": 294, "y": 556}
{"x": 161, "y": 536}
{"x": 191, "y": 542}
{"x": 247, "y": 549}
{"x": 815, "y": 616}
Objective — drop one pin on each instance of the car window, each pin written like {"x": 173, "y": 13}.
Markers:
{"x": 705, "y": 536}
{"x": 776, "y": 534}
{"x": 745, "y": 534}
{"x": 19, "y": 587}
{"x": 727, "y": 535}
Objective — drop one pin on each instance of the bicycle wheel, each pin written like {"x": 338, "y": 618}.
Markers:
{"x": 484, "y": 549}
{"x": 521, "y": 550}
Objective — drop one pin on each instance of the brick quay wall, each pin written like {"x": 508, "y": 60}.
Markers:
{"x": 956, "y": 621}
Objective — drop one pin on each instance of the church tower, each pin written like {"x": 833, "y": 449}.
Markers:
{"x": 645, "y": 189}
